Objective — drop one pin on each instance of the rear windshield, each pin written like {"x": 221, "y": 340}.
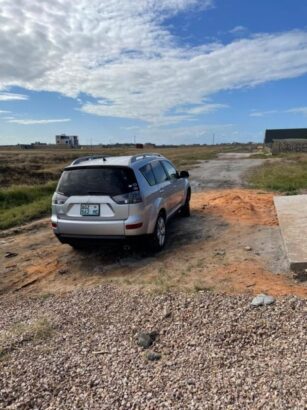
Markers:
{"x": 97, "y": 181}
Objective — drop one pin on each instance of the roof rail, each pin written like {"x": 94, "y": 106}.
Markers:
{"x": 137, "y": 157}
{"x": 89, "y": 158}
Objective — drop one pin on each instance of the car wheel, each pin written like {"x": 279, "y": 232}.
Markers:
{"x": 158, "y": 238}
{"x": 185, "y": 210}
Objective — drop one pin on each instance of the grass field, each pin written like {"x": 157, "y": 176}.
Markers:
{"x": 33, "y": 167}
{"x": 289, "y": 174}
{"x": 22, "y": 203}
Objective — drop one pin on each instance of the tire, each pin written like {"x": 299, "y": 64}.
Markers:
{"x": 185, "y": 210}
{"x": 157, "y": 239}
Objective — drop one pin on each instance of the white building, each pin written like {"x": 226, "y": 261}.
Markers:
{"x": 71, "y": 140}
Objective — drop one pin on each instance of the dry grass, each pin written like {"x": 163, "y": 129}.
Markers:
{"x": 21, "y": 333}
{"x": 38, "y": 167}
{"x": 32, "y": 167}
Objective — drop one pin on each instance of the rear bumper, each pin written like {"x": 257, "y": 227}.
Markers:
{"x": 63, "y": 238}
{"x": 97, "y": 229}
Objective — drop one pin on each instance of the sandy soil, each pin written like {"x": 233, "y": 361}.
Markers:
{"x": 230, "y": 244}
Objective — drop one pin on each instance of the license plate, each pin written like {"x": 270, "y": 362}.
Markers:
{"x": 90, "y": 210}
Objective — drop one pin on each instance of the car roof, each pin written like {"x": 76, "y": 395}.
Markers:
{"x": 127, "y": 160}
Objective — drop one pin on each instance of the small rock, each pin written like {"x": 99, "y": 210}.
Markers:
{"x": 247, "y": 248}
{"x": 145, "y": 340}
{"x": 294, "y": 302}
{"x": 93, "y": 383}
{"x": 10, "y": 254}
{"x": 63, "y": 271}
{"x": 219, "y": 253}
{"x": 262, "y": 299}
{"x": 153, "y": 357}
{"x": 166, "y": 313}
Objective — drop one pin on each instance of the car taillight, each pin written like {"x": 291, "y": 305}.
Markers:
{"x": 133, "y": 197}
{"x": 59, "y": 199}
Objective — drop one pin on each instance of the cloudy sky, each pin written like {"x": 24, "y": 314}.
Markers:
{"x": 165, "y": 71}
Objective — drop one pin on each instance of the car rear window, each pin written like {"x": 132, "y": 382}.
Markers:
{"x": 97, "y": 181}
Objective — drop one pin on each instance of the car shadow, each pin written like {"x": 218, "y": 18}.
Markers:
{"x": 106, "y": 257}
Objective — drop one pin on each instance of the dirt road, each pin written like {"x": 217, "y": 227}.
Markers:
{"x": 225, "y": 172}
{"x": 230, "y": 244}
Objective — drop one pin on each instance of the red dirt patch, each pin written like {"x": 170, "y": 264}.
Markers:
{"x": 238, "y": 205}
{"x": 250, "y": 277}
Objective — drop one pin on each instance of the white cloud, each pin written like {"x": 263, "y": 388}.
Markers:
{"x": 36, "y": 122}
{"x": 203, "y": 109}
{"x": 298, "y": 110}
{"x": 4, "y": 112}
{"x": 238, "y": 30}
{"x": 119, "y": 51}
{"x": 256, "y": 113}
{"x": 4, "y": 96}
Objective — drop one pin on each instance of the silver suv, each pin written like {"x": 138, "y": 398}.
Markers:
{"x": 102, "y": 197}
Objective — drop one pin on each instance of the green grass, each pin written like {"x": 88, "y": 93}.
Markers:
{"x": 283, "y": 176}
{"x": 19, "y": 204}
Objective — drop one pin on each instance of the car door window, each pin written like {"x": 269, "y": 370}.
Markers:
{"x": 170, "y": 169}
{"x": 159, "y": 172}
{"x": 147, "y": 173}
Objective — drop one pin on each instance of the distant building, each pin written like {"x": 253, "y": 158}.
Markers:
{"x": 290, "y": 145}
{"x": 284, "y": 134}
{"x": 149, "y": 145}
{"x": 67, "y": 140}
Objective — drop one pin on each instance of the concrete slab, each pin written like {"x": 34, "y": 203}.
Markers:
{"x": 292, "y": 216}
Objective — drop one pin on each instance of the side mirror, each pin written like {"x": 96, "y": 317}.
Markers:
{"x": 184, "y": 174}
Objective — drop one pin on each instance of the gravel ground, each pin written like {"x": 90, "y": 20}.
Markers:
{"x": 80, "y": 351}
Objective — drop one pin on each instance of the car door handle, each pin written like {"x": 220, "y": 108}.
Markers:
{"x": 162, "y": 190}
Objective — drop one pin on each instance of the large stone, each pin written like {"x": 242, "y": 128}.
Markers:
{"x": 262, "y": 299}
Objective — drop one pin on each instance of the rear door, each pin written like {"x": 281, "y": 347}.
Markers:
{"x": 92, "y": 192}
